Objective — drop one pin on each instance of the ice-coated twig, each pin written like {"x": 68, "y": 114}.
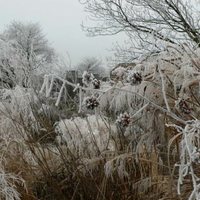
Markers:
{"x": 50, "y": 87}
{"x": 76, "y": 88}
{"x": 189, "y": 155}
{"x": 47, "y": 86}
{"x": 163, "y": 88}
{"x": 60, "y": 94}
{"x": 80, "y": 100}
{"x": 139, "y": 111}
{"x": 44, "y": 84}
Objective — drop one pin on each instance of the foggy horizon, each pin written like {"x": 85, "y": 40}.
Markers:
{"x": 60, "y": 21}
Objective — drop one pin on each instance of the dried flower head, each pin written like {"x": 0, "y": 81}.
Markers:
{"x": 91, "y": 103}
{"x": 96, "y": 83}
{"x": 87, "y": 77}
{"x": 134, "y": 78}
{"x": 123, "y": 119}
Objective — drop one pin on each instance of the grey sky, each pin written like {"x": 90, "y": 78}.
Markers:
{"x": 60, "y": 20}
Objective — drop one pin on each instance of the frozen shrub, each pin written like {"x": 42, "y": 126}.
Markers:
{"x": 118, "y": 73}
{"x": 8, "y": 182}
{"x": 85, "y": 135}
{"x": 189, "y": 147}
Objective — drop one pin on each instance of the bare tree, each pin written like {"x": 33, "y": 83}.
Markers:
{"x": 170, "y": 21}
{"x": 28, "y": 51}
{"x": 91, "y": 64}
{"x": 32, "y": 42}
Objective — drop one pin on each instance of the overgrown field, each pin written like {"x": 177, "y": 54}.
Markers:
{"x": 136, "y": 136}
